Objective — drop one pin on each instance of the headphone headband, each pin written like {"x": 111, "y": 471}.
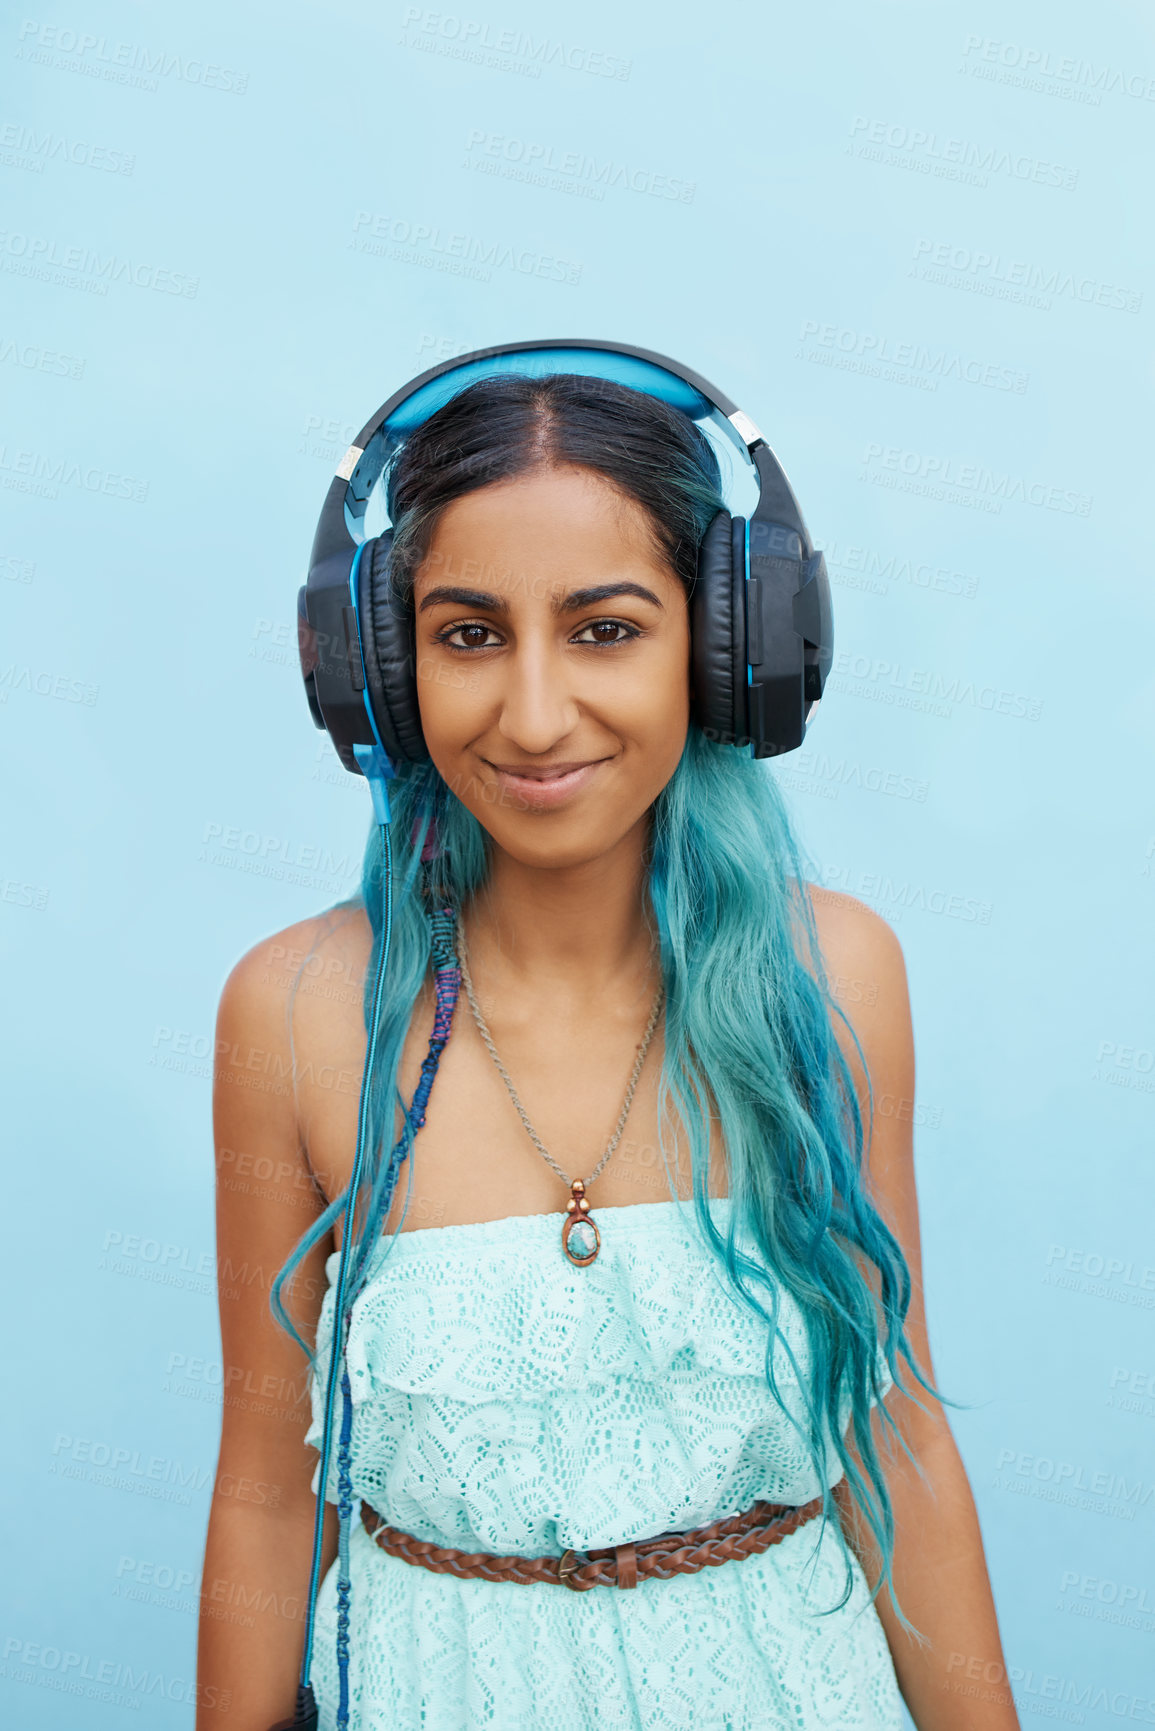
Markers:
{"x": 643, "y": 370}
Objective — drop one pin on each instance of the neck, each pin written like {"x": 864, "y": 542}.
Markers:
{"x": 580, "y": 930}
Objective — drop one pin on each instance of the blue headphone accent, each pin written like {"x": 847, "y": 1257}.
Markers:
{"x": 373, "y": 760}
{"x": 749, "y": 666}
{"x": 631, "y": 370}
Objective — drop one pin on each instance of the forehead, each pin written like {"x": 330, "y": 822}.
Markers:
{"x": 554, "y": 523}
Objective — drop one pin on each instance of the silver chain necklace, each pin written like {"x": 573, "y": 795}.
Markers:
{"x": 580, "y": 1238}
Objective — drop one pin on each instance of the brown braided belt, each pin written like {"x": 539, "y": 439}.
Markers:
{"x": 744, "y": 1535}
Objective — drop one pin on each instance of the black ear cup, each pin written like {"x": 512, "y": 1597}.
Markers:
{"x": 388, "y": 643}
{"x": 718, "y": 631}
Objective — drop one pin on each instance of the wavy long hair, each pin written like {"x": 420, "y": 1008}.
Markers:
{"x": 749, "y": 1012}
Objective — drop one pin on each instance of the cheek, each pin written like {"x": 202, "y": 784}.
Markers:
{"x": 450, "y": 708}
{"x": 658, "y": 702}
{"x": 666, "y": 744}
{"x": 653, "y": 718}
{"x": 448, "y": 699}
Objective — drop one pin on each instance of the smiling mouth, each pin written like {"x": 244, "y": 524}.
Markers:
{"x": 539, "y": 787}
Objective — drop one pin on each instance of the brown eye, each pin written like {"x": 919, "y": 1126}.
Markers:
{"x": 474, "y": 633}
{"x": 601, "y": 629}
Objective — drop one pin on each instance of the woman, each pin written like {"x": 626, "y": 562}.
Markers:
{"x": 649, "y": 1008}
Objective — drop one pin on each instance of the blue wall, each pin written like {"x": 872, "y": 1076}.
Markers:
{"x": 910, "y": 241}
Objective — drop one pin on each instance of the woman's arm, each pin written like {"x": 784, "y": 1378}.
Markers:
{"x": 260, "y": 1532}
{"x": 956, "y": 1680}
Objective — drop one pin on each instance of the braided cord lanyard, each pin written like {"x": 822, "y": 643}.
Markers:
{"x": 446, "y": 985}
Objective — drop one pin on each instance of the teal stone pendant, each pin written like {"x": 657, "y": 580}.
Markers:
{"x": 580, "y": 1238}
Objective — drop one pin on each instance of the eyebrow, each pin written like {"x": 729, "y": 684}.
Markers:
{"x": 482, "y": 598}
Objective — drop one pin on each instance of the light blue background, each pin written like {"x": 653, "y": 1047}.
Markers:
{"x": 169, "y": 801}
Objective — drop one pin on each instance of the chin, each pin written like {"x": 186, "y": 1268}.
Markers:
{"x": 553, "y": 841}
{"x": 546, "y": 848}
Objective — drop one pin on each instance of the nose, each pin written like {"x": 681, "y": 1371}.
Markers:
{"x": 538, "y": 706}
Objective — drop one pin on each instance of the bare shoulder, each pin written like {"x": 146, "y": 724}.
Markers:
{"x": 857, "y": 944}
{"x": 323, "y": 946}
{"x": 865, "y": 969}
{"x": 299, "y": 984}
{"x": 290, "y": 1026}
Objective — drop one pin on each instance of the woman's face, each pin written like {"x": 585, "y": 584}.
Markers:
{"x": 553, "y": 657}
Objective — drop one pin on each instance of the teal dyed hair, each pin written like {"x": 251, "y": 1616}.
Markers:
{"x": 750, "y": 1017}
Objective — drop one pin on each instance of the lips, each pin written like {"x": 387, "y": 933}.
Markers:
{"x": 543, "y": 787}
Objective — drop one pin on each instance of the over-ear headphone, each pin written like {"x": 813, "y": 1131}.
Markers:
{"x": 761, "y": 623}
